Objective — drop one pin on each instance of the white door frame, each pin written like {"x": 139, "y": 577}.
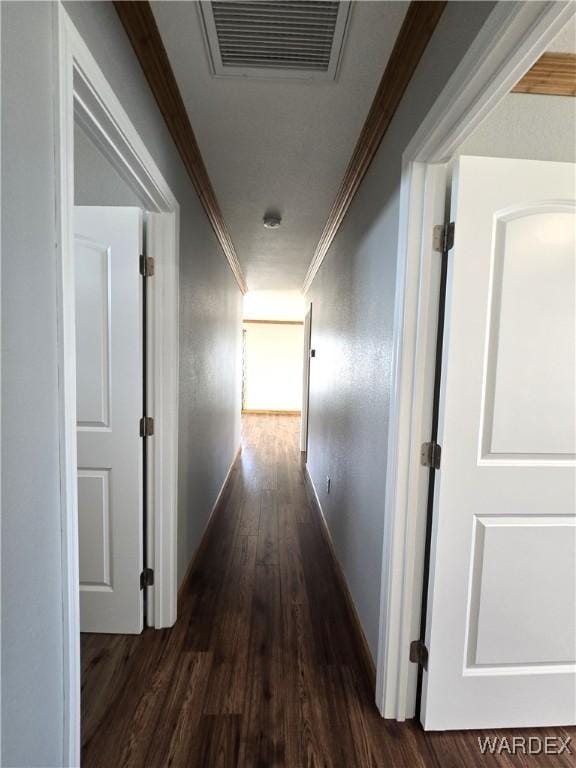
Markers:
{"x": 511, "y": 40}
{"x": 306, "y": 380}
{"x": 84, "y": 95}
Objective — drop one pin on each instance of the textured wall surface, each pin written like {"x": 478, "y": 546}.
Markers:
{"x": 210, "y": 312}
{"x": 352, "y": 326}
{"x": 31, "y": 556}
{"x": 96, "y": 181}
{"x": 529, "y": 126}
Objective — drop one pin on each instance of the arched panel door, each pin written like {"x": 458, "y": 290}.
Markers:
{"x": 501, "y": 629}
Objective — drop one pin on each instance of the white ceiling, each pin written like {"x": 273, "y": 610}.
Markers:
{"x": 277, "y": 144}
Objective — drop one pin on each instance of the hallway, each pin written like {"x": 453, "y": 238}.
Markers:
{"x": 262, "y": 667}
{"x": 217, "y": 215}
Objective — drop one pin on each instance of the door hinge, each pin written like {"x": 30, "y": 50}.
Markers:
{"x": 146, "y": 426}
{"x": 419, "y": 653}
{"x": 443, "y": 237}
{"x": 146, "y": 266}
{"x": 147, "y": 578}
{"x": 430, "y": 455}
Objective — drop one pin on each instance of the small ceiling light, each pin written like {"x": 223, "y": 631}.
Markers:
{"x": 272, "y": 221}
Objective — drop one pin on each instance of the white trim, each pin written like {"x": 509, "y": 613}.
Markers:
{"x": 84, "y": 94}
{"x": 306, "y": 380}
{"x": 162, "y": 235}
{"x": 422, "y": 196}
{"x": 514, "y": 36}
{"x": 0, "y": 346}
{"x": 67, "y": 395}
{"x": 511, "y": 40}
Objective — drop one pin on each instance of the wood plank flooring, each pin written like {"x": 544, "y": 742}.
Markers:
{"x": 263, "y": 667}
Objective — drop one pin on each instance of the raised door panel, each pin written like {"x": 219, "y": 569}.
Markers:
{"x": 530, "y": 407}
{"x": 94, "y": 529}
{"x": 522, "y": 608}
{"x": 92, "y": 278}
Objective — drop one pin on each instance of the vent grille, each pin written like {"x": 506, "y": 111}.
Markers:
{"x": 286, "y": 38}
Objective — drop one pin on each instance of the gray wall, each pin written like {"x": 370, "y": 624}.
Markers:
{"x": 31, "y": 555}
{"x": 528, "y": 126}
{"x": 96, "y": 181}
{"x": 352, "y": 319}
{"x": 32, "y": 693}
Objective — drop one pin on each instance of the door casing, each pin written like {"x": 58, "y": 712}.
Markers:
{"x": 83, "y": 94}
{"x": 306, "y": 380}
{"x": 512, "y": 39}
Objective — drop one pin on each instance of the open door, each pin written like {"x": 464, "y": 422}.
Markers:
{"x": 109, "y": 355}
{"x": 501, "y": 622}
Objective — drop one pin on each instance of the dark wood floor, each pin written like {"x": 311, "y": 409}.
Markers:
{"x": 262, "y": 667}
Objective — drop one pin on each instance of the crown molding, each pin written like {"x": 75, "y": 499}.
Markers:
{"x": 417, "y": 29}
{"x": 144, "y": 35}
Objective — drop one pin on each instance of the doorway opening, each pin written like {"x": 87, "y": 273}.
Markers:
{"x": 126, "y": 183}
{"x": 307, "y": 355}
{"x": 482, "y": 81}
{"x": 110, "y": 402}
{"x": 273, "y": 342}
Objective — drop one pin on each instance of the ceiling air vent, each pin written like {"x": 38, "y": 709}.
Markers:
{"x": 282, "y": 39}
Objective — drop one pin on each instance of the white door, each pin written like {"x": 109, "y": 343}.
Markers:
{"x": 502, "y": 594}
{"x": 108, "y": 244}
